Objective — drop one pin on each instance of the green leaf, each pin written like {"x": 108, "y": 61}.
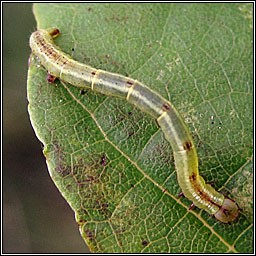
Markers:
{"x": 110, "y": 161}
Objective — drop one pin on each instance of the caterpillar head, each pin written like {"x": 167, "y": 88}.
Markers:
{"x": 228, "y": 211}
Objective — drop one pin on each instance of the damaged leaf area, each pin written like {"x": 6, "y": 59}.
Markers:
{"x": 110, "y": 161}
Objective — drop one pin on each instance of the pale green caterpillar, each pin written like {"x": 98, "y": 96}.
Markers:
{"x": 62, "y": 66}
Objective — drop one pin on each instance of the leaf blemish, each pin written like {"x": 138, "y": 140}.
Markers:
{"x": 90, "y": 234}
{"x": 103, "y": 160}
{"x": 63, "y": 171}
{"x": 82, "y": 92}
{"x": 144, "y": 243}
{"x": 131, "y": 133}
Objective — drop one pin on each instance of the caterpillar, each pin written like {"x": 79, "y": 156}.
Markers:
{"x": 60, "y": 65}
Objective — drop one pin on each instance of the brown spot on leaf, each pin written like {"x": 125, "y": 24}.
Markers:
{"x": 117, "y": 19}
{"x": 90, "y": 234}
{"x": 144, "y": 243}
{"x": 103, "y": 160}
{"x": 89, "y": 179}
{"x": 63, "y": 171}
{"x": 130, "y": 134}
{"x": 82, "y": 92}
{"x": 80, "y": 222}
{"x": 105, "y": 212}
{"x": 83, "y": 216}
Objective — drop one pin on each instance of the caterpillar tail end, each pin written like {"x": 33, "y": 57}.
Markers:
{"x": 228, "y": 212}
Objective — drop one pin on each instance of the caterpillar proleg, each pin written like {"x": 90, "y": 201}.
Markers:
{"x": 62, "y": 66}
